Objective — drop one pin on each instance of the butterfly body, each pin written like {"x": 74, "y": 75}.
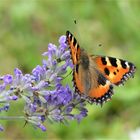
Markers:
{"x": 94, "y": 76}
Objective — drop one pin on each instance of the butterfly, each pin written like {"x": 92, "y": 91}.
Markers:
{"x": 95, "y": 75}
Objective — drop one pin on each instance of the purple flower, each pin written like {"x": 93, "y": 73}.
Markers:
{"x": 42, "y": 127}
{"x": 81, "y": 115}
{"x": 1, "y": 128}
{"x": 36, "y": 122}
{"x": 8, "y": 79}
{"x": 17, "y": 72}
{"x": 62, "y": 41}
{"x": 5, "y": 107}
{"x": 42, "y": 91}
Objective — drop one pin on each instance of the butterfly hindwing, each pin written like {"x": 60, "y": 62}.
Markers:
{"x": 92, "y": 83}
{"x": 101, "y": 88}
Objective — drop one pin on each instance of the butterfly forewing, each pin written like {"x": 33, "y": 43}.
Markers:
{"x": 114, "y": 69}
{"x": 74, "y": 47}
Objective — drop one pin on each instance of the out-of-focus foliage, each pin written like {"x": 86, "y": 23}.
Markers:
{"x": 26, "y": 27}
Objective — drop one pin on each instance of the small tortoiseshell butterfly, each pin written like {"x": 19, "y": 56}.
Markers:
{"x": 95, "y": 76}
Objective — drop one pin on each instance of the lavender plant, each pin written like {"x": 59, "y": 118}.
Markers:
{"x": 44, "y": 96}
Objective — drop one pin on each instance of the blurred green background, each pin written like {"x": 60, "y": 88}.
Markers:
{"x": 26, "y": 28}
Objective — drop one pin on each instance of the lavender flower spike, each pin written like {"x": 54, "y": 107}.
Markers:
{"x": 42, "y": 91}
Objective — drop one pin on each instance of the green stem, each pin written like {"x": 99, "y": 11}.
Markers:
{"x": 11, "y": 117}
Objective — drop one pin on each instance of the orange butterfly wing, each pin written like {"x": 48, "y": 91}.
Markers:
{"x": 116, "y": 70}
{"x": 74, "y": 47}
